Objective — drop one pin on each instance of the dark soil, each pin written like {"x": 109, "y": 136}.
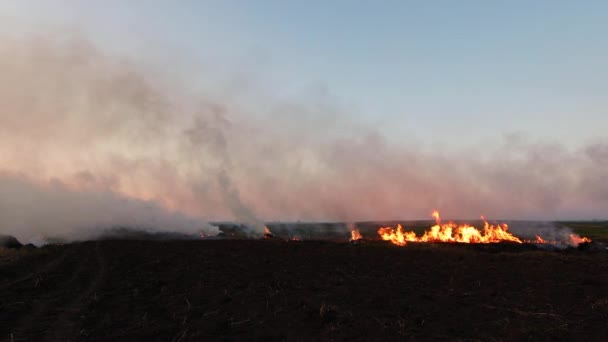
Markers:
{"x": 234, "y": 290}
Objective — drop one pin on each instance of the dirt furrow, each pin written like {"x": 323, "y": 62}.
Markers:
{"x": 41, "y": 270}
{"x": 43, "y": 302}
{"x": 67, "y": 322}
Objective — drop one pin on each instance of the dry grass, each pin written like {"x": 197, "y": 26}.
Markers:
{"x": 595, "y": 230}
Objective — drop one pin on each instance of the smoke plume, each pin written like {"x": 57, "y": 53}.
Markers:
{"x": 37, "y": 212}
{"x": 88, "y": 140}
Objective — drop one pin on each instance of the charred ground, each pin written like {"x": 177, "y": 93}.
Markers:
{"x": 278, "y": 290}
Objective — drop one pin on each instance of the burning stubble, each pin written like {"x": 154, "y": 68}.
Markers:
{"x": 117, "y": 141}
{"x": 451, "y": 232}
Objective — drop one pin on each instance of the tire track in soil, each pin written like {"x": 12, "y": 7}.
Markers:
{"x": 43, "y": 269}
{"x": 67, "y": 323}
{"x": 31, "y": 324}
{"x": 31, "y": 296}
{"x": 53, "y": 307}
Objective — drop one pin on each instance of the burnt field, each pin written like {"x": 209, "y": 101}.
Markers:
{"x": 302, "y": 290}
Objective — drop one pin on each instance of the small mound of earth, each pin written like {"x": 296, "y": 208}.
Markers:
{"x": 8, "y": 241}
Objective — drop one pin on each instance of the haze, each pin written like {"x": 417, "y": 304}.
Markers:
{"x": 170, "y": 116}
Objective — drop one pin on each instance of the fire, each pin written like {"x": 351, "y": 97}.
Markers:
{"x": 540, "y": 240}
{"x": 464, "y": 233}
{"x": 435, "y": 214}
{"x": 397, "y": 236}
{"x": 267, "y": 233}
{"x": 576, "y": 239}
{"x": 355, "y": 235}
{"x": 450, "y": 232}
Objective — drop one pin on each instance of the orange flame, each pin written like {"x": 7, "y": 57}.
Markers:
{"x": 540, "y": 239}
{"x": 267, "y": 233}
{"x": 450, "y": 232}
{"x": 397, "y": 236}
{"x": 464, "y": 233}
{"x": 435, "y": 214}
{"x": 355, "y": 235}
{"x": 576, "y": 239}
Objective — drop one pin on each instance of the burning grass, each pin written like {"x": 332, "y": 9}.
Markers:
{"x": 465, "y": 233}
{"x": 595, "y": 230}
{"x": 355, "y": 235}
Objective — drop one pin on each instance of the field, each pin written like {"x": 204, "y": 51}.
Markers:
{"x": 273, "y": 290}
{"x": 596, "y": 230}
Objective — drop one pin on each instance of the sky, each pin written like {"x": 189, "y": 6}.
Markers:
{"x": 478, "y": 68}
{"x": 178, "y": 113}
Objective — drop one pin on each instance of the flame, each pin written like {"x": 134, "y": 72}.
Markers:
{"x": 464, "y": 233}
{"x": 450, "y": 232}
{"x": 435, "y": 214}
{"x": 355, "y": 235}
{"x": 397, "y": 236}
{"x": 267, "y": 233}
{"x": 576, "y": 239}
{"x": 541, "y": 241}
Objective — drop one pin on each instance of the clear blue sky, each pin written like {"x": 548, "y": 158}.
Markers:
{"x": 474, "y": 68}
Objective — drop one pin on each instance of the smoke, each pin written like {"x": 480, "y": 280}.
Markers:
{"x": 98, "y": 140}
{"x": 209, "y": 138}
{"x": 36, "y": 212}
{"x": 549, "y": 231}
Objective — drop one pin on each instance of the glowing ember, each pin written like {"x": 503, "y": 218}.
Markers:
{"x": 540, "y": 241}
{"x": 355, "y": 235}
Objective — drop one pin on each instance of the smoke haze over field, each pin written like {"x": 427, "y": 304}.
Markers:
{"x": 89, "y": 140}
{"x": 34, "y": 212}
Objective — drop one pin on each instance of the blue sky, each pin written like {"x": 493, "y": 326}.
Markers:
{"x": 472, "y": 69}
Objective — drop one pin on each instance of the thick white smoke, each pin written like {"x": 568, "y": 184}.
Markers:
{"x": 36, "y": 212}
{"x": 88, "y": 139}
